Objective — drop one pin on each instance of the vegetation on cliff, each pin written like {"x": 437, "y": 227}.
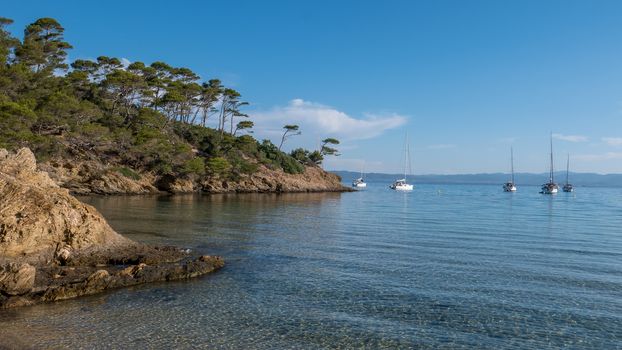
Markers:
{"x": 136, "y": 117}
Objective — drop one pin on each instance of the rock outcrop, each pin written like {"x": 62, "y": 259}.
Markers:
{"x": 52, "y": 246}
{"x": 38, "y": 218}
{"x": 94, "y": 177}
{"x": 314, "y": 179}
{"x": 17, "y": 278}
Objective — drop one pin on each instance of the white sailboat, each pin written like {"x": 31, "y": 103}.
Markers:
{"x": 360, "y": 182}
{"x": 568, "y": 186}
{"x": 402, "y": 184}
{"x": 550, "y": 187}
{"x": 510, "y": 186}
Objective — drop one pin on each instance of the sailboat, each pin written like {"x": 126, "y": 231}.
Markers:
{"x": 550, "y": 187}
{"x": 568, "y": 186}
{"x": 510, "y": 186}
{"x": 402, "y": 184}
{"x": 360, "y": 182}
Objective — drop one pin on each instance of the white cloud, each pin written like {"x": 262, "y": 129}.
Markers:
{"x": 570, "y": 138}
{"x": 315, "y": 118}
{"x": 352, "y": 164}
{"x": 612, "y": 141}
{"x": 125, "y": 62}
{"x": 599, "y": 157}
{"x": 441, "y": 146}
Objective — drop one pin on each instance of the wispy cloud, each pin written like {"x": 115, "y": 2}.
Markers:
{"x": 441, "y": 146}
{"x": 508, "y": 139}
{"x": 321, "y": 119}
{"x": 599, "y": 157}
{"x": 612, "y": 141}
{"x": 570, "y": 138}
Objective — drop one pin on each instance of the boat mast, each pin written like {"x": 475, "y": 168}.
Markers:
{"x": 551, "y": 173}
{"x": 405, "y": 154}
{"x": 512, "y": 162}
{"x": 567, "y": 167}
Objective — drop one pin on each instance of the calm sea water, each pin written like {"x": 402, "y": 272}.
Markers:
{"x": 446, "y": 266}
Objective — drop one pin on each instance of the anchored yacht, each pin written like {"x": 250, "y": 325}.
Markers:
{"x": 359, "y": 183}
{"x": 568, "y": 186}
{"x": 402, "y": 184}
{"x": 510, "y": 186}
{"x": 550, "y": 187}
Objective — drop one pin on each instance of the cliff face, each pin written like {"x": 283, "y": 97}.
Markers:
{"x": 54, "y": 247}
{"x": 92, "y": 177}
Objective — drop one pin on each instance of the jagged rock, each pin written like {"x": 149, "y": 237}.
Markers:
{"x": 54, "y": 247}
{"x": 98, "y": 280}
{"x": 92, "y": 176}
{"x": 36, "y": 215}
{"x": 63, "y": 255}
{"x": 16, "y": 278}
{"x": 169, "y": 183}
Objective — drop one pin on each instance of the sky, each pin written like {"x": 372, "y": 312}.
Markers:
{"x": 466, "y": 80}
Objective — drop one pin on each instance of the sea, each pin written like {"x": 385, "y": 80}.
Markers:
{"x": 442, "y": 267}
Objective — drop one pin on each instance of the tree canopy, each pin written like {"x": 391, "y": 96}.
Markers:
{"x": 144, "y": 116}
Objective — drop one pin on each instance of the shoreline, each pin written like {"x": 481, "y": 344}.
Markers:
{"x": 208, "y": 193}
{"x": 91, "y": 177}
{"x": 55, "y": 247}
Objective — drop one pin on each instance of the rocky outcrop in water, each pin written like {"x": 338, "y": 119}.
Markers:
{"x": 52, "y": 246}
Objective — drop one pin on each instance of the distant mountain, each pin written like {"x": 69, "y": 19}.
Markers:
{"x": 577, "y": 179}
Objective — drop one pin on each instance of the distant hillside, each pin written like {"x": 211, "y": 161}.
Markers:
{"x": 578, "y": 179}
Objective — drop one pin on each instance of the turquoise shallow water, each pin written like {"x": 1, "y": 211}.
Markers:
{"x": 446, "y": 266}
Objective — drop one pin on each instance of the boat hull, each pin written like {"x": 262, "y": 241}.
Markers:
{"x": 509, "y": 187}
{"x": 359, "y": 185}
{"x": 405, "y": 187}
{"x": 550, "y": 188}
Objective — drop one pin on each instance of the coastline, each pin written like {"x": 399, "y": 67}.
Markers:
{"x": 89, "y": 177}
{"x": 55, "y": 247}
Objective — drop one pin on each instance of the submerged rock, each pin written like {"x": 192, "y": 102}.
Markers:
{"x": 53, "y": 247}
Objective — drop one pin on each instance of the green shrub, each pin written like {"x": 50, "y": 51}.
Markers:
{"x": 248, "y": 167}
{"x": 272, "y": 154}
{"x": 241, "y": 165}
{"x": 316, "y": 157}
{"x": 127, "y": 172}
{"x": 195, "y": 165}
{"x": 218, "y": 166}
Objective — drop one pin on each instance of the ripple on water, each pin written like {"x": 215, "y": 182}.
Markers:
{"x": 469, "y": 267}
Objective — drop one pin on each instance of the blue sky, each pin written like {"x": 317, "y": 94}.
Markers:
{"x": 466, "y": 79}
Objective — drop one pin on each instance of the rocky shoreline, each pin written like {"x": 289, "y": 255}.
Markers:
{"x": 54, "y": 247}
{"x": 22, "y": 284}
{"x": 91, "y": 176}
